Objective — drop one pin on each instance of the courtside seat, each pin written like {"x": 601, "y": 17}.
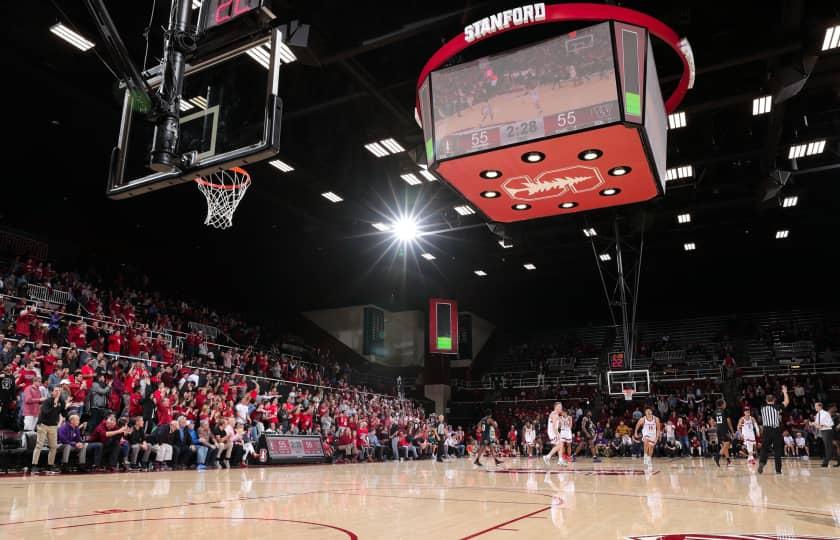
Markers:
{"x": 14, "y": 449}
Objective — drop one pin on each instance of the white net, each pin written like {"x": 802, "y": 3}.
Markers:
{"x": 223, "y": 191}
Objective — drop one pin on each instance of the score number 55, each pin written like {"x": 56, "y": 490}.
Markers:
{"x": 566, "y": 119}
{"x": 479, "y": 138}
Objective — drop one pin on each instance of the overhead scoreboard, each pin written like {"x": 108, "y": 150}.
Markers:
{"x": 443, "y": 326}
{"x": 572, "y": 123}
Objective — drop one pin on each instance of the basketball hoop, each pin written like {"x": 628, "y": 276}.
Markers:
{"x": 223, "y": 191}
{"x": 628, "y": 394}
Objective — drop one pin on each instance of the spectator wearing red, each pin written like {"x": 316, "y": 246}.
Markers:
{"x": 115, "y": 342}
{"x": 23, "y": 324}
{"x": 32, "y": 399}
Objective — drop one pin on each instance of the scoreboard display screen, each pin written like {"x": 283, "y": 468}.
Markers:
{"x": 218, "y": 12}
{"x": 560, "y": 85}
{"x": 443, "y": 326}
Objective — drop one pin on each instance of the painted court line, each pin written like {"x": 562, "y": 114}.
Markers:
{"x": 501, "y": 525}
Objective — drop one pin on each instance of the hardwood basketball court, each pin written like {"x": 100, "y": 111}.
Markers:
{"x": 521, "y": 499}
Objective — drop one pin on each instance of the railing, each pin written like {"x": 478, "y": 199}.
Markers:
{"x": 39, "y": 293}
{"x": 527, "y": 382}
{"x": 173, "y": 338}
{"x": 210, "y": 331}
{"x": 153, "y": 333}
{"x": 798, "y": 350}
{"x": 150, "y": 361}
{"x": 671, "y": 375}
{"x": 669, "y": 357}
{"x": 22, "y": 245}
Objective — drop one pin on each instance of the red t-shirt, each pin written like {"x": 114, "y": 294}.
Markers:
{"x": 22, "y": 325}
{"x": 164, "y": 415}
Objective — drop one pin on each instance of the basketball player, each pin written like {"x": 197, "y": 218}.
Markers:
{"x": 748, "y": 429}
{"x": 486, "y": 113}
{"x": 650, "y": 431}
{"x": 587, "y": 428}
{"x": 530, "y": 437}
{"x": 535, "y": 98}
{"x": 488, "y": 426}
{"x": 565, "y": 438}
{"x": 553, "y": 431}
{"x": 724, "y": 432}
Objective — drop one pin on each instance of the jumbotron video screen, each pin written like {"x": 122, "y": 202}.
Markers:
{"x": 556, "y": 86}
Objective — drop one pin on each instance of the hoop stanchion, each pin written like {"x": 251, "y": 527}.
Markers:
{"x": 223, "y": 190}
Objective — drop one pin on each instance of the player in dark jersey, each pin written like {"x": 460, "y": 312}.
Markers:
{"x": 587, "y": 429}
{"x": 489, "y": 427}
{"x": 724, "y": 432}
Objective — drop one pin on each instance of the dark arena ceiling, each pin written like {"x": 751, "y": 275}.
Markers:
{"x": 291, "y": 249}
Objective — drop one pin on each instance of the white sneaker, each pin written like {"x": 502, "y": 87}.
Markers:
{"x": 545, "y": 459}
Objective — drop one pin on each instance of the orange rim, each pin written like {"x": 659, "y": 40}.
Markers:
{"x": 235, "y": 170}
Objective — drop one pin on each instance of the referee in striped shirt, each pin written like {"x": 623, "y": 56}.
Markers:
{"x": 771, "y": 432}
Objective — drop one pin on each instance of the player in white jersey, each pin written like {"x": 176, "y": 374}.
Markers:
{"x": 553, "y": 431}
{"x": 749, "y": 430}
{"x": 530, "y": 438}
{"x": 650, "y": 430}
{"x": 565, "y": 437}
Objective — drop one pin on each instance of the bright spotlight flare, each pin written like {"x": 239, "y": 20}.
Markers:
{"x": 405, "y": 229}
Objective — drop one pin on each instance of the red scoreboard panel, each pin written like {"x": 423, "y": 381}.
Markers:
{"x": 443, "y": 326}
{"x": 569, "y": 124}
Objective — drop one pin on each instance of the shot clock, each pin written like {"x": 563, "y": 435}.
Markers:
{"x": 218, "y": 12}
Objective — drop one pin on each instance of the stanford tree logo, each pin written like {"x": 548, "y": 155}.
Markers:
{"x": 554, "y": 183}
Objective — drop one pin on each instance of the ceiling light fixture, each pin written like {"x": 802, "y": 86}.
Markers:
{"x": 676, "y": 120}
{"x": 590, "y": 232}
{"x": 73, "y": 38}
{"x": 679, "y": 173}
{"x": 812, "y": 148}
{"x": 281, "y": 166}
{"x": 529, "y": 266}
{"x": 376, "y": 149}
{"x": 832, "y": 38}
{"x": 684, "y": 218}
{"x": 789, "y": 202}
{"x": 392, "y": 146}
{"x": 762, "y": 105}
{"x": 411, "y": 179}
{"x": 464, "y": 210}
{"x": 332, "y": 197}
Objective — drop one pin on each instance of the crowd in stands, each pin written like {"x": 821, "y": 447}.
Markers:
{"x": 110, "y": 390}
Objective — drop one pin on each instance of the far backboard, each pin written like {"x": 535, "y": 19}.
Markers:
{"x": 230, "y": 116}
